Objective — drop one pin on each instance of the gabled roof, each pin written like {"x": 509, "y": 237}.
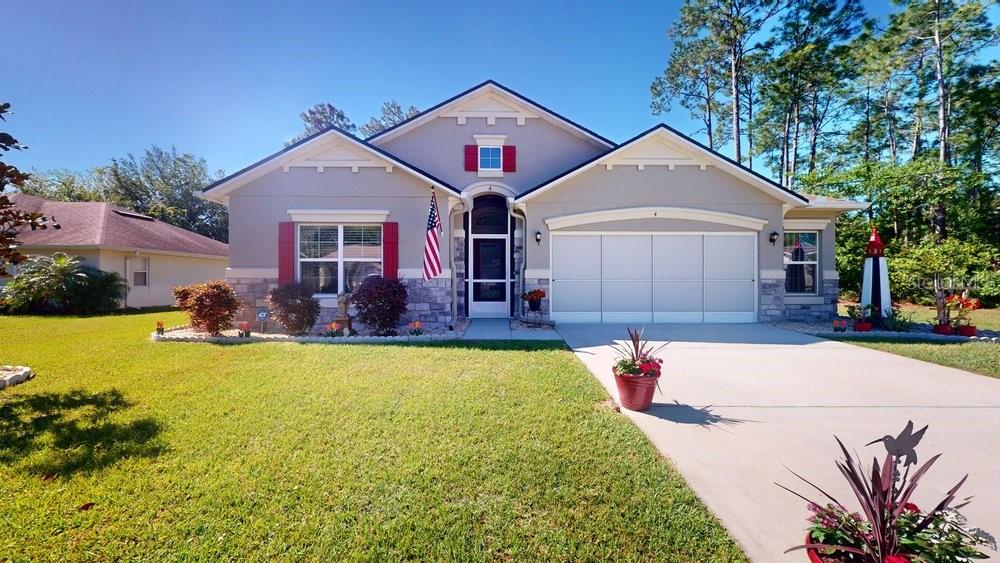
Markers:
{"x": 697, "y": 150}
{"x": 477, "y": 90}
{"x": 217, "y": 191}
{"x": 93, "y": 224}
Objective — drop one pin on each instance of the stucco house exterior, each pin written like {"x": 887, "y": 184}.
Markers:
{"x": 656, "y": 229}
{"x": 151, "y": 255}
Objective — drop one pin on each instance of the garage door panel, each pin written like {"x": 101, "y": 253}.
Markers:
{"x": 673, "y": 297}
{"x": 626, "y": 296}
{"x": 576, "y": 257}
{"x": 677, "y": 257}
{"x": 576, "y": 296}
{"x": 729, "y": 257}
{"x": 729, "y": 296}
{"x": 626, "y": 257}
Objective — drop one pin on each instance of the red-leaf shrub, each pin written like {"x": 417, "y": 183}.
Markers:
{"x": 380, "y": 302}
{"x": 294, "y": 307}
{"x": 212, "y": 305}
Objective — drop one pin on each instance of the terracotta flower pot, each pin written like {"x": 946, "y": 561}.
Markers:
{"x": 942, "y": 329}
{"x": 862, "y": 327}
{"x": 812, "y": 553}
{"x": 636, "y": 391}
{"x": 967, "y": 330}
{"x": 535, "y": 305}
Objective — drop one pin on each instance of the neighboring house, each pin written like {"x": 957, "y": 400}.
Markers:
{"x": 656, "y": 229}
{"x": 153, "y": 256}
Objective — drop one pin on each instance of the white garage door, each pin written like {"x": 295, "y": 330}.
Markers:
{"x": 662, "y": 278}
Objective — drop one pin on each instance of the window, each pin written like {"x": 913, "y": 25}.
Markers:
{"x": 139, "y": 271}
{"x": 337, "y": 258}
{"x": 801, "y": 257}
{"x": 489, "y": 158}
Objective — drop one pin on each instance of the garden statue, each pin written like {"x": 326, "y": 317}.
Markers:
{"x": 343, "y": 319}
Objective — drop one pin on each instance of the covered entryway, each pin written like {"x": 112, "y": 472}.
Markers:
{"x": 666, "y": 277}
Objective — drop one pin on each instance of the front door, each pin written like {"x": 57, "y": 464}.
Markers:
{"x": 489, "y": 296}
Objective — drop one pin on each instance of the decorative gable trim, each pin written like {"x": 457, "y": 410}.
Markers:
{"x": 492, "y": 101}
{"x": 337, "y": 153}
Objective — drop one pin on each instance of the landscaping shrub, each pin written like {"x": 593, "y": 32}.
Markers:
{"x": 212, "y": 305}
{"x": 380, "y": 302}
{"x": 294, "y": 307}
{"x": 59, "y": 283}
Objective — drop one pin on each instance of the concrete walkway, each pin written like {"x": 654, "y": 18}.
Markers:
{"x": 744, "y": 404}
{"x": 500, "y": 329}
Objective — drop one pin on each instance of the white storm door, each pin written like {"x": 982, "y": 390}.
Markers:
{"x": 678, "y": 278}
{"x": 730, "y": 278}
{"x": 489, "y": 284}
{"x": 626, "y": 273}
{"x": 576, "y": 278}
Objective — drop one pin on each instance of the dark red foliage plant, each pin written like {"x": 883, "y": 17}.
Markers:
{"x": 294, "y": 307}
{"x": 380, "y": 303}
{"x": 212, "y": 305}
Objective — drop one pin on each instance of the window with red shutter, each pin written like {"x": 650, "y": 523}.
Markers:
{"x": 509, "y": 158}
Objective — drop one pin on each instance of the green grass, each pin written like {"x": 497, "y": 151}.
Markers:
{"x": 318, "y": 452}
{"x": 985, "y": 319}
{"x": 978, "y": 357}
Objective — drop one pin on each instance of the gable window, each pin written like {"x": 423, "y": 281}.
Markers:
{"x": 490, "y": 158}
{"x": 139, "y": 268}
{"x": 801, "y": 258}
{"x": 335, "y": 259}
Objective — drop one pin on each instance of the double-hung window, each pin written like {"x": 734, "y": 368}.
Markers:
{"x": 139, "y": 268}
{"x": 801, "y": 258}
{"x": 335, "y": 259}
{"x": 490, "y": 158}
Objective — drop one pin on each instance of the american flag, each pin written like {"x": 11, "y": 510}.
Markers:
{"x": 432, "y": 257}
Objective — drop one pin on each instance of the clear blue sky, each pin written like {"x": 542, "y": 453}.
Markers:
{"x": 89, "y": 80}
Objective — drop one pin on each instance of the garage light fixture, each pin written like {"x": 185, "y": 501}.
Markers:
{"x": 538, "y": 237}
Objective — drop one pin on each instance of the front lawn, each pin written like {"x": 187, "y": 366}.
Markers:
{"x": 978, "y": 357}
{"x": 126, "y": 449}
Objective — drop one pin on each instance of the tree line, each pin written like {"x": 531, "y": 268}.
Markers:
{"x": 164, "y": 183}
{"x": 903, "y": 112}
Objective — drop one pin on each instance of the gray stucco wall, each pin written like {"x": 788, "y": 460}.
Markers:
{"x": 625, "y": 186}
{"x": 256, "y": 209}
{"x": 543, "y": 149}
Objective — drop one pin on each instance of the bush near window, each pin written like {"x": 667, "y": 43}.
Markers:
{"x": 380, "y": 302}
{"x": 294, "y": 307}
{"x": 60, "y": 283}
{"x": 212, "y": 305}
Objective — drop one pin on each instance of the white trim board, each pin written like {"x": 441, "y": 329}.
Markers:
{"x": 339, "y": 215}
{"x": 805, "y": 224}
{"x": 629, "y": 213}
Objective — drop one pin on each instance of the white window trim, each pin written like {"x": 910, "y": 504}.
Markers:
{"x": 815, "y": 262}
{"x": 335, "y": 216}
{"x": 132, "y": 271}
{"x": 489, "y": 172}
{"x": 340, "y": 253}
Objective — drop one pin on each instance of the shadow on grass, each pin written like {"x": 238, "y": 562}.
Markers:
{"x": 65, "y": 433}
{"x": 686, "y": 414}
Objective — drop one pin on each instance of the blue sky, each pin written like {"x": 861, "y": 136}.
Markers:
{"x": 93, "y": 80}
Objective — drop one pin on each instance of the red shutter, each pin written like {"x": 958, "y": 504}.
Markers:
{"x": 390, "y": 250}
{"x": 471, "y": 158}
{"x": 286, "y": 252}
{"x": 509, "y": 158}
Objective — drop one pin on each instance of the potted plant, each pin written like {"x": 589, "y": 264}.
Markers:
{"x": 337, "y": 329}
{"x": 416, "y": 328}
{"x": 534, "y": 299}
{"x": 637, "y": 371}
{"x": 962, "y": 322}
{"x": 244, "y": 331}
{"x": 861, "y": 315}
{"x": 890, "y": 528}
{"x": 944, "y": 308}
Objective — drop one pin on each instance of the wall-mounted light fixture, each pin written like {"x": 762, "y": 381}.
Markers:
{"x": 538, "y": 237}
{"x": 773, "y": 237}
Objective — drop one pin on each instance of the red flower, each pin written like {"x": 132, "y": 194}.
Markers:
{"x": 910, "y": 507}
{"x": 897, "y": 558}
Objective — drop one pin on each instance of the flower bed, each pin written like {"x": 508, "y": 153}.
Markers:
{"x": 188, "y": 334}
{"x": 919, "y": 332}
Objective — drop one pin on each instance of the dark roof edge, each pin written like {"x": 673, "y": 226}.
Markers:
{"x": 395, "y": 159}
{"x": 505, "y": 89}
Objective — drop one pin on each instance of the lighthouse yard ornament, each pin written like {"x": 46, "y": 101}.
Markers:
{"x": 875, "y": 282}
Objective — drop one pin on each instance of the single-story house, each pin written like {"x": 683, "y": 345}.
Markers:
{"x": 656, "y": 229}
{"x": 153, "y": 256}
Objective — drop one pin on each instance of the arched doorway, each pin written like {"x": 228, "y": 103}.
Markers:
{"x": 489, "y": 257}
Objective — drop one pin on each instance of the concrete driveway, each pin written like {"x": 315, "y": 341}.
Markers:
{"x": 744, "y": 404}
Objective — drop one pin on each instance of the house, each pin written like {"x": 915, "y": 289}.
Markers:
{"x": 153, "y": 256}
{"x": 656, "y": 229}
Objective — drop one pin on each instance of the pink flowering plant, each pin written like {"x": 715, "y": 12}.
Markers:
{"x": 637, "y": 357}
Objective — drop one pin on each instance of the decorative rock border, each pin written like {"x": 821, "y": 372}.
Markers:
{"x": 12, "y": 375}
{"x": 175, "y": 334}
{"x": 884, "y": 334}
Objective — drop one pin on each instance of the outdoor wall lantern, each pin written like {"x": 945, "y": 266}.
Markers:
{"x": 773, "y": 237}
{"x": 538, "y": 237}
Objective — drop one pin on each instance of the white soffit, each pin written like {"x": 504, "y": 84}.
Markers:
{"x": 805, "y": 224}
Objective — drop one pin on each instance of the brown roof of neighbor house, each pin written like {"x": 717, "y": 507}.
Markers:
{"x": 89, "y": 224}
